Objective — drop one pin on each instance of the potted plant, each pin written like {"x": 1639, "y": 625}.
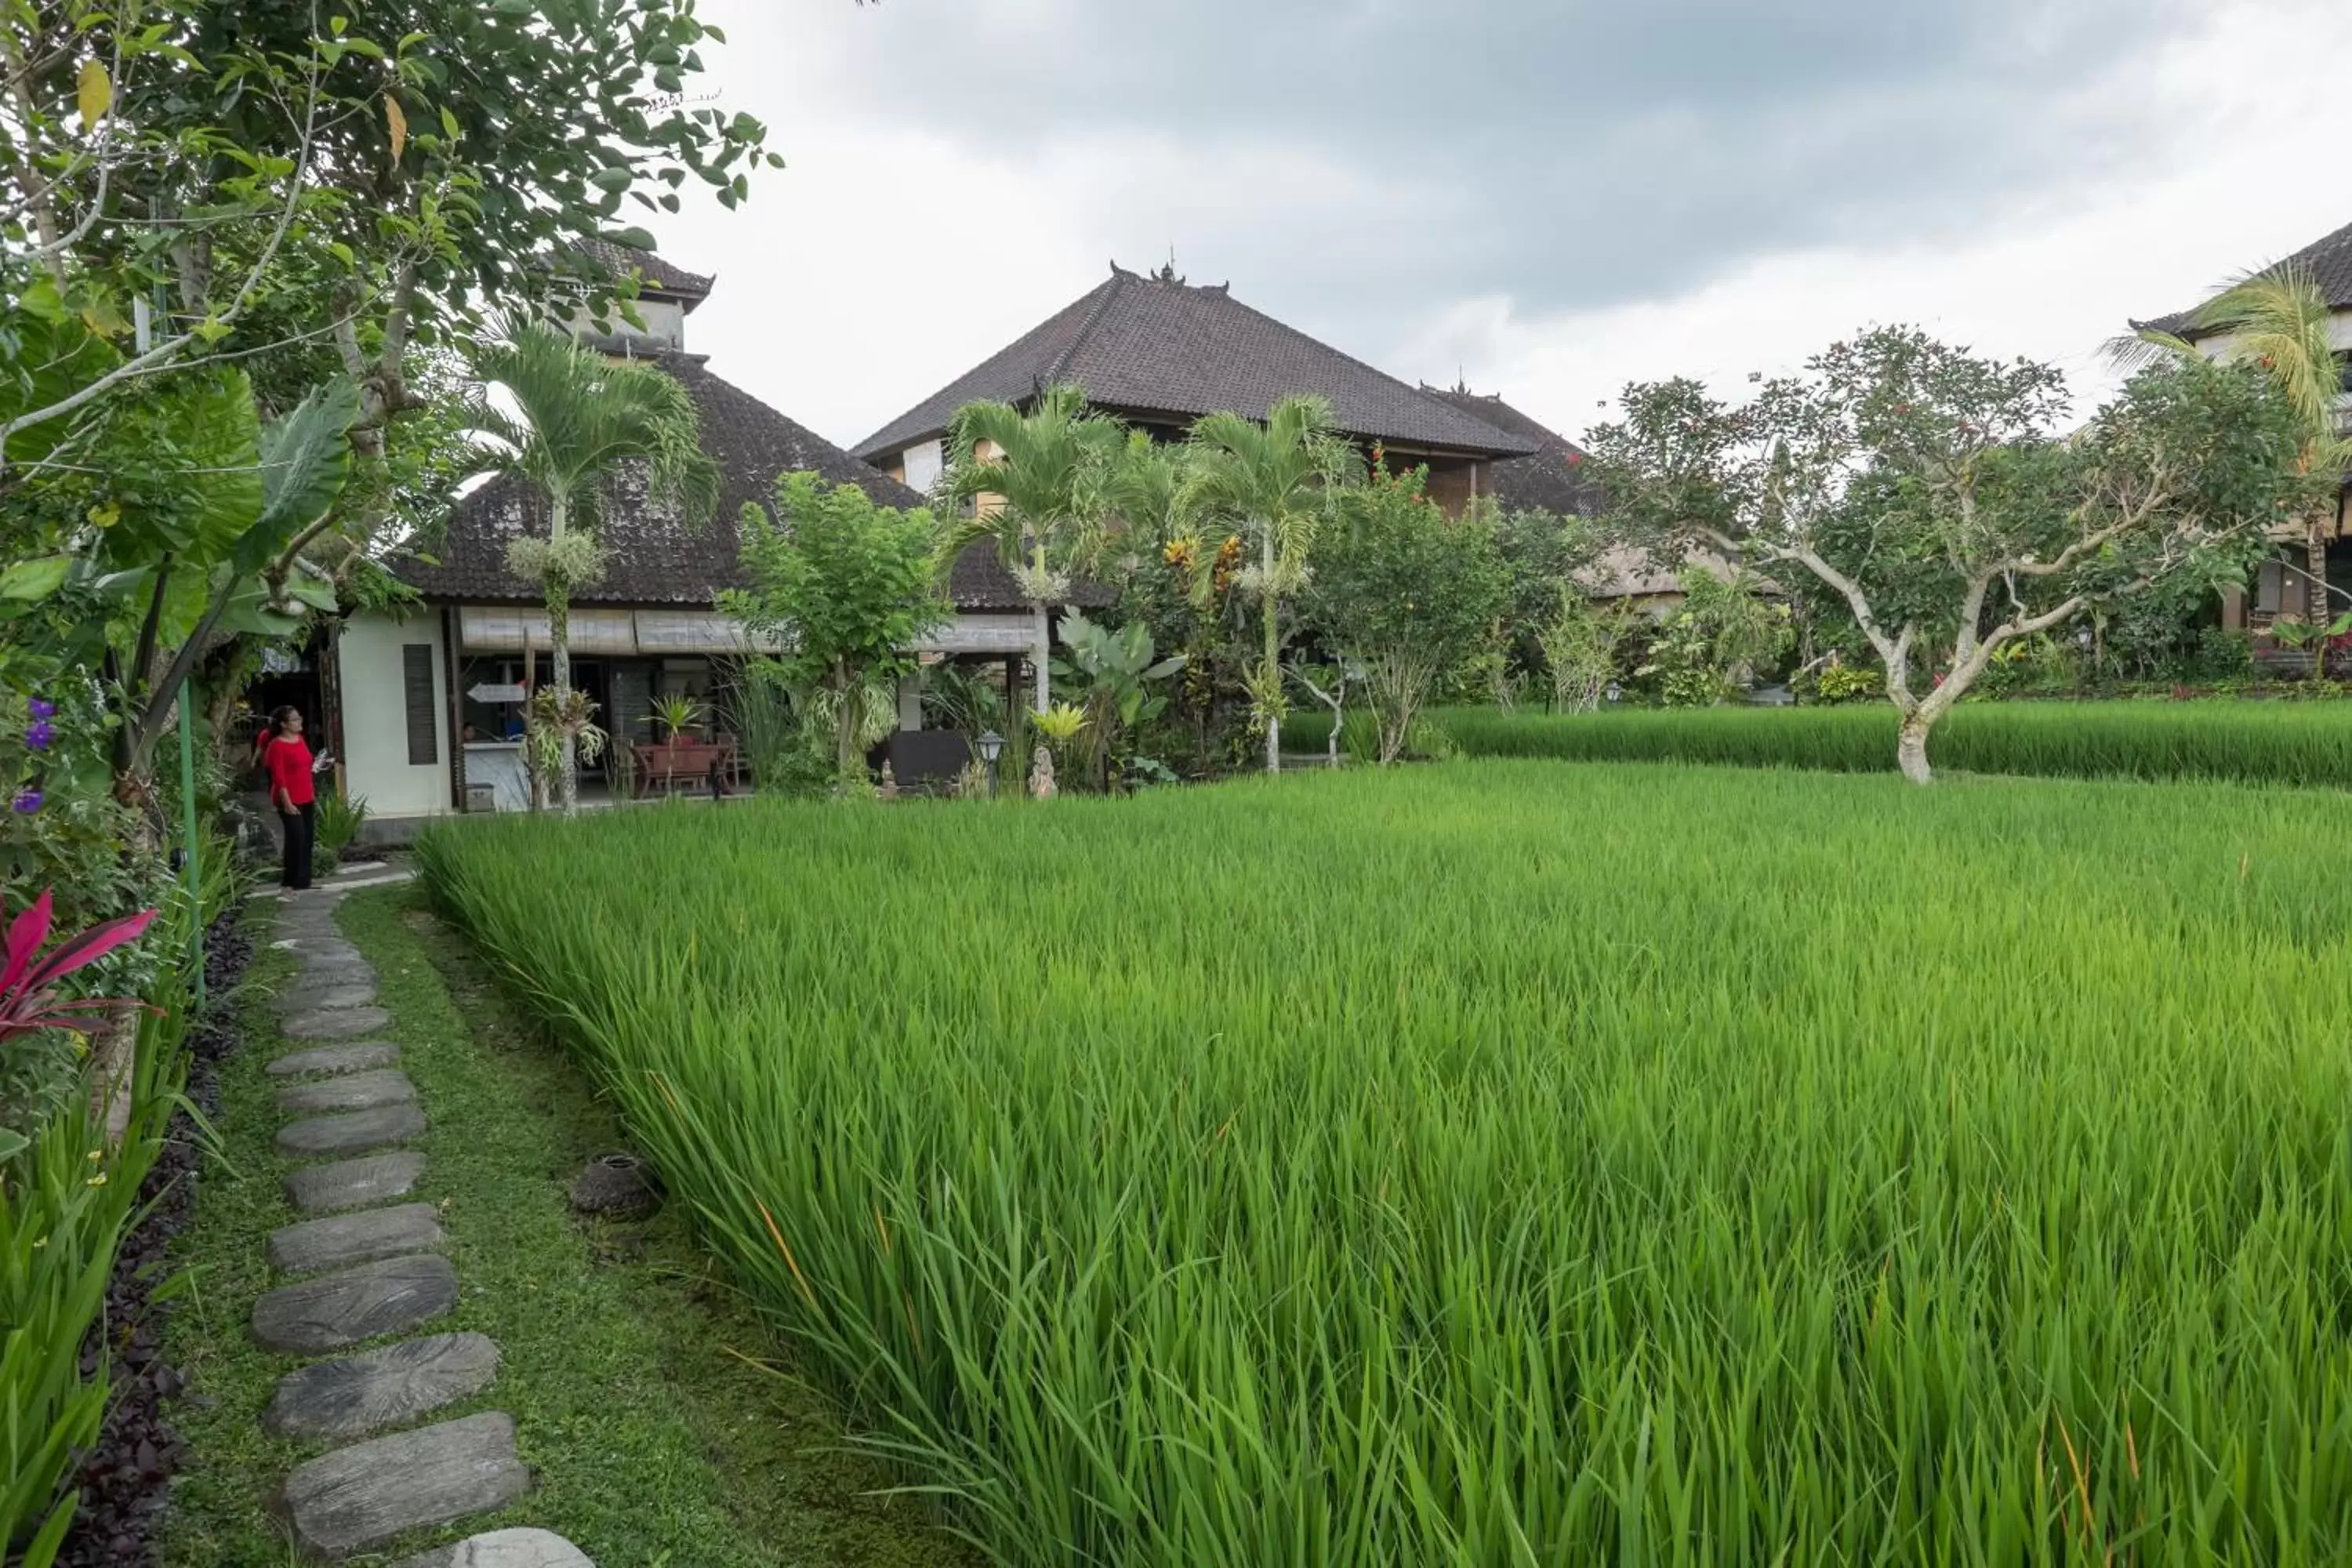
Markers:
{"x": 678, "y": 713}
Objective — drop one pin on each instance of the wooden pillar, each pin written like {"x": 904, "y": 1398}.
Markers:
{"x": 450, "y": 656}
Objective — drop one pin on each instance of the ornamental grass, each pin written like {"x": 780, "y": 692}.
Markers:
{"x": 1506, "y": 1163}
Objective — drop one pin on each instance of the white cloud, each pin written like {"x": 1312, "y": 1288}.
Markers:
{"x": 892, "y": 255}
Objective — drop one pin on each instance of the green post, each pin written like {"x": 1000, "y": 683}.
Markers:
{"x": 188, "y": 826}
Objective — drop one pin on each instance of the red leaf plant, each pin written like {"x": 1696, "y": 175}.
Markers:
{"x": 29, "y": 998}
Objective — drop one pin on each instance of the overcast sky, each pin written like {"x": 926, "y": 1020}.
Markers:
{"x": 1547, "y": 198}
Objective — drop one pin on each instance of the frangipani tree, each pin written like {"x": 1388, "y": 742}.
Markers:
{"x": 1271, "y": 483}
{"x": 1041, "y": 485}
{"x": 1930, "y": 491}
{"x": 578, "y": 416}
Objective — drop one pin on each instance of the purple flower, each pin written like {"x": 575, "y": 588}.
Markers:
{"x": 42, "y": 708}
{"x": 39, "y": 734}
{"x": 27, "y": 801}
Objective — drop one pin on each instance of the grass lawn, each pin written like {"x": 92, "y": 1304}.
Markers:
{"x": 1510, "y": 1164}
{"x": 654, "y": 1443}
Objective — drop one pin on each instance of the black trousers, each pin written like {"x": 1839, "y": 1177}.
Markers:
{"x": 302, "y": 826}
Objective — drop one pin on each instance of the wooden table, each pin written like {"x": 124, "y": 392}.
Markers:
{"x": 668, "y": 765}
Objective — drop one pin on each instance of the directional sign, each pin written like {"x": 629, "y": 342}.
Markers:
{"x": 486, "y": 692}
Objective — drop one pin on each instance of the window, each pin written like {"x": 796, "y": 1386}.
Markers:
{"x": 923, "y": 465}
{"x": 416, "y": 687}
{"x": 2270, "y": 587}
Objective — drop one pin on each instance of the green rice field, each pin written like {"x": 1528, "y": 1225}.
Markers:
{"x": 1502, "y": 1163}
{"x": 2288, "y": 743}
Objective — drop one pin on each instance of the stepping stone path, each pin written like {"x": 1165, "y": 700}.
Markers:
{"x": 353, "y": 1091}
{"x": 356, "y": 1056}
{"x": 348, "y": 1240}
{"x": 353, "y": 1132}
{"x": 365, "y": 1495}
{"x": 335, "y": 1024}
{"x": 504, "y": 1549}
{"x": 367, "y": 1393}
{"x": 364, "y": 1266}
{"x": 354, "y": 1184}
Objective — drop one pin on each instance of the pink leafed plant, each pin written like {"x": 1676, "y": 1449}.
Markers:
{"x": 28, "y": 984}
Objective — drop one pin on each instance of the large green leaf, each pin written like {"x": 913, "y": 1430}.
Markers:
{"x": 207, "y": 423}
{"x": 306, "y": 459}
{"x": 44, "y": 360}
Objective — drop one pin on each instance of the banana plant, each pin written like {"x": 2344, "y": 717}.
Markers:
{"x": 192, "y": 530}
{"x": 1116, "y": 675}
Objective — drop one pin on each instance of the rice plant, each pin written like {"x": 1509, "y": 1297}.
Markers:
{"x": 1507, "y": 1164}
{"x": 2307, "y": 743}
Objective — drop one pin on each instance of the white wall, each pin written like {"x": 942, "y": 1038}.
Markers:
{"x": 375, "y": 716}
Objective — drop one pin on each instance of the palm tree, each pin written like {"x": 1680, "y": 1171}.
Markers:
{"x": 1049, "y": 473}
{"x": 2280, "y": 321}
{"x": 1269, "y": 481}
{"x": 578, "y": 416}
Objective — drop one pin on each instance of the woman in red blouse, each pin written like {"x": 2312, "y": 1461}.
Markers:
{"x": 286, "y": 758}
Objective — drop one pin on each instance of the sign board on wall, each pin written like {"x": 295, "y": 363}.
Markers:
{"x": 491, "y": 692}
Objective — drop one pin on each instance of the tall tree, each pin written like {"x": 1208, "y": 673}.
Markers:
{"x": 578, "y": 417}
{"x": 2281, "y": 322}
{"x": 1930, "y": 491}
{"x": 847, "y": 586}
{"x": 1272, "y": 482}
{"x": 1041, "y": 485}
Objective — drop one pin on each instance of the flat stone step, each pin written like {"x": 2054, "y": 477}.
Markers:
{"x": 362, "y": 1496}
{"x": 354, "y": 1184}
{"x": 329, "y": 997}
{"x": 336, "y": 1312}
{"x": 332, "y": 949}
{"x": 378, "y": 1390}
{"x": 333, "y": 969}
{"x": 355, "y": 1133}
{"x": 352, "y": 1091}
{"x": 315, "y": 1245}
{"x": 343, "y": 1024}
{"x": 503, "y": 1549}
{"x": 353, "y": 1056}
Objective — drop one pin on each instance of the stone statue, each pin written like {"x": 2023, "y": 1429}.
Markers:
{"x": 889, "y": 788}
{"x": 1041, "y": 774}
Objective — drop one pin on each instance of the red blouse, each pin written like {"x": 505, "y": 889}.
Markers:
{"x": 287, "y": 760}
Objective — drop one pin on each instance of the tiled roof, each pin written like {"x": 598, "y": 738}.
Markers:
{"x": 1549, "y": 479}
{"x": 2327, "y": 260}
{"x": 657, "y": 277}
{"x": 1157, "y": 345}
{"x": 655, "y": 558}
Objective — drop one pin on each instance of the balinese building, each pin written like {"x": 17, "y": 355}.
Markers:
{"x": 1160, "y": 352}
{"x": 424, "y": 707}
{"x": 2284, "y": 586}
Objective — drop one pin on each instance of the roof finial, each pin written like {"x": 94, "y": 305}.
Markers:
{"x": 1167, "y": 273}
{"x": 1461, "y": 382}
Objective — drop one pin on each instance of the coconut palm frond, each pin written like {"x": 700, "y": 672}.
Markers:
{"x": 1052, "y": 469}
{"x": 1271, "y": 476}
{"x": 2145, "y": 349}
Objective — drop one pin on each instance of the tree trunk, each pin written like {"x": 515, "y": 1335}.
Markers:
{"x": 559, "y": 639}
{"x": 845, "y": 726}
{"x": 559, "y": 630}
{"x": 1272, "y": 672}
{"x": 1911, "y": 747}
{"x": 1044, "y": 630}
{"x": 2314, "y": 589}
